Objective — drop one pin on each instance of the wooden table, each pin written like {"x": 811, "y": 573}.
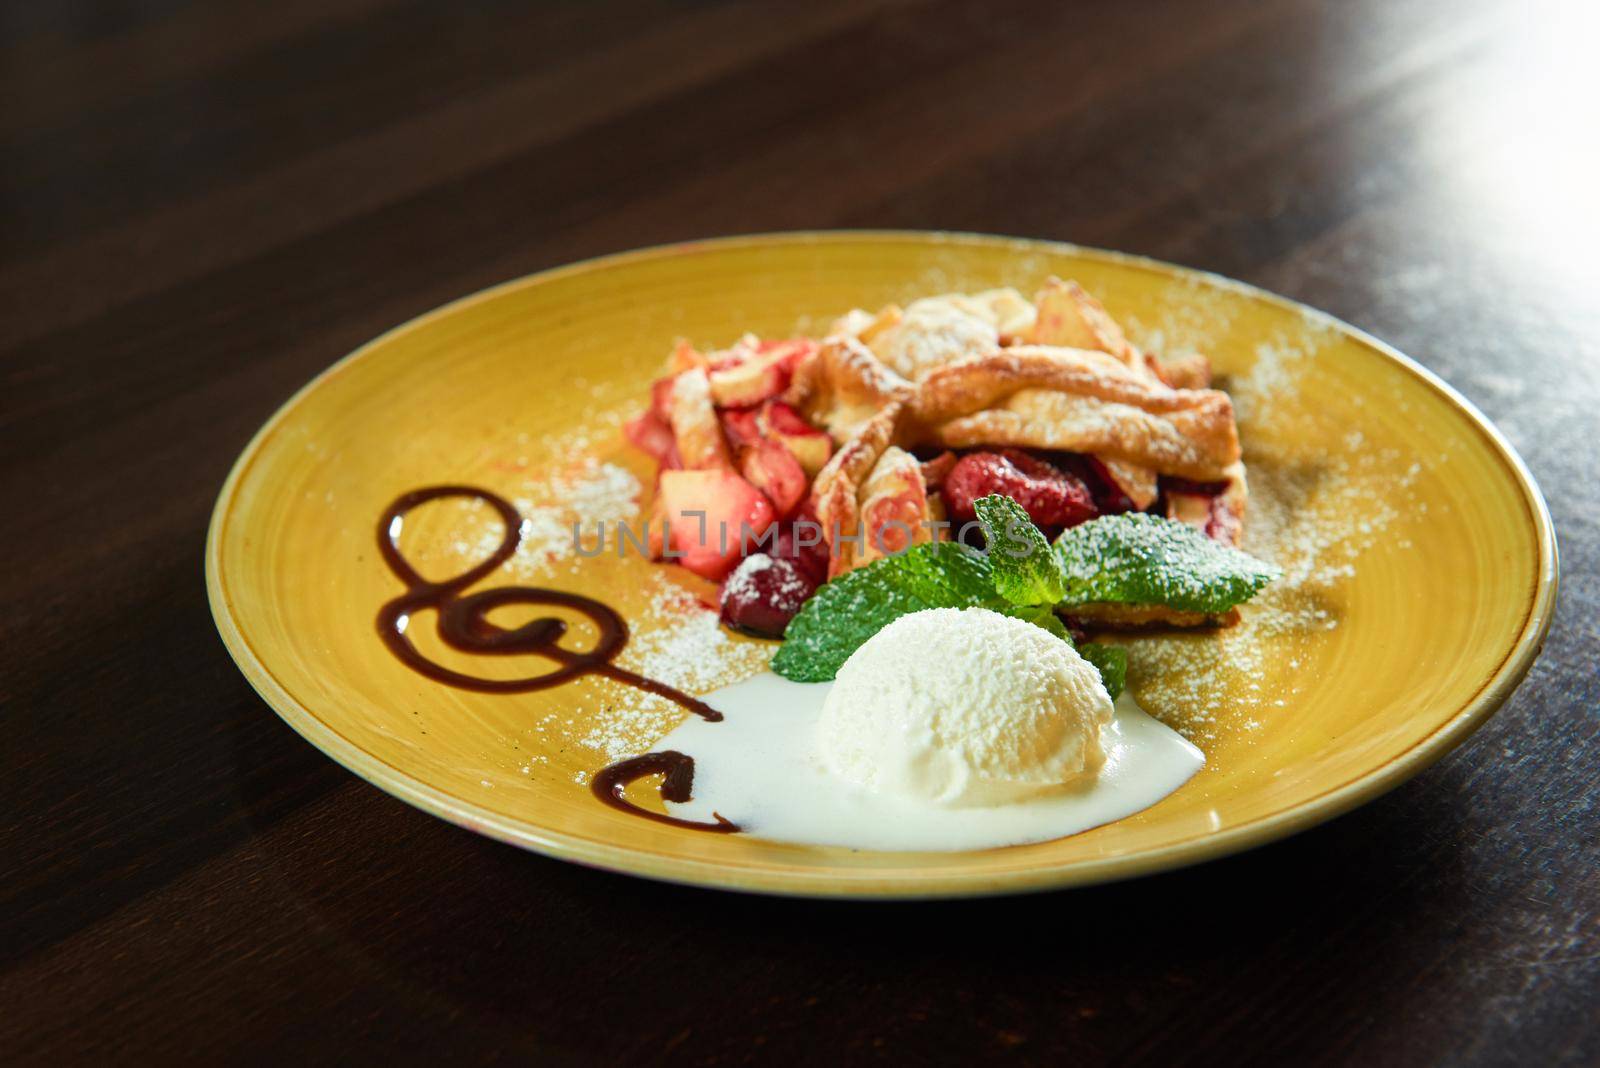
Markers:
{"x": 203, "y": 204}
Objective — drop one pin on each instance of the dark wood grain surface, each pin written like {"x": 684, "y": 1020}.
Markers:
{"x": 203, "y": 204}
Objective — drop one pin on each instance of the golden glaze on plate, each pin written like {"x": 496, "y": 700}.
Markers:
{"x": 1421, "y": 562}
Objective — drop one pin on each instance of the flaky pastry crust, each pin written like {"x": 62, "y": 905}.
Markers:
{"x": 1078, "y": 401}
{"x": 1059, "y": 375}
{"x": 836, "y": 492}
{"x": 843, "y": 386}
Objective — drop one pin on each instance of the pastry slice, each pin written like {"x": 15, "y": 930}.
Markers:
{"x": 842, "y": 387}
{"x": 841, "y": 487}
{"x": 1090, "y": 402}
{"x": 896, "y": 511}
{"x": 1081, "y": 401}
{"x": 934, "y": 331}
{"x": 1067, "y": 316}
{"x": 1057, "y": 402}
{"x": 905, "y": 416}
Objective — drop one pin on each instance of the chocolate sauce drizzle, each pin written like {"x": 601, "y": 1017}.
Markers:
{"x": 677, "y": 771}
{"x": 462, "y": 623}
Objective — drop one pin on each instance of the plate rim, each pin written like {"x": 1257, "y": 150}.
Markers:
{"x": 559, "y": 845}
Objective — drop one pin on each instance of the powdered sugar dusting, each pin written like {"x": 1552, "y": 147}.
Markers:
{"x": 1274, "y": 375}
{"x": 933, "y": 333}
{"x": 584, "y": 492}
{"x": 1195, "y": 310}
{"x": 554, "y": 481}
{"x": 743, "y": 580}
{"x": 1313, "y": 517}
{"x": 595, "y": 494}
{"x": 678, "y": 641}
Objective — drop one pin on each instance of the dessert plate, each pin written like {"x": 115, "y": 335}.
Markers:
{"x": 1420, "y": 563}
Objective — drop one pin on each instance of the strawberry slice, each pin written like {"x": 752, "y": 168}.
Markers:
{"x": 695, "y": 425}
{"x": 739, "y": 352}
{"x": 686, "y": 357}
{"x": 781, "y": 418}
{"x": 651, "y": 433}
{"x": 752, "y": 371}
{"x": 750, "y": 382}
{"x": 741, "y": 425}
{"x": 710, "y": 515}
{"x": 936, "y": 470}
{"x": 787, "y": 351}
{"x": 1052, "y": 498}
{"x": 812, "y": 447}
{"x": 773, "y": 469}
{"x": 661, "y": 398}
{"x": 891, "y": 522}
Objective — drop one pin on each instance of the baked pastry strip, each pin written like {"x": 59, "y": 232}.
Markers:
{"x": 1077, "y": 400}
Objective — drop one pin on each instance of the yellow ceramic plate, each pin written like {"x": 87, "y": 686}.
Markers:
{"x": 1420, "y": 562}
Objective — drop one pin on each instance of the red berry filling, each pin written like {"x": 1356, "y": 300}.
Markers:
{"x": 1052, "y": 498}
{"x": 1169, "y": 484}
{"x": 803, "y": 541}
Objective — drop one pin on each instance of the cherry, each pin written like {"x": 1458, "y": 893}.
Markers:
{"x": 812, "y": 557}
{"x": 762, "y": 594}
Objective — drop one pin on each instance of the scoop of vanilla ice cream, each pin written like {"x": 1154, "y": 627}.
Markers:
{"x": 963, "y": 707}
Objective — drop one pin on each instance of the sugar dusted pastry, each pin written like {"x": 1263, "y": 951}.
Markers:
{"x": 1077, "y": 401}
{"x": 899, "y": 419}
{"x": 837, "y": 492}
{"x": 843, "y": 386}
{"x": 930, "y": 335}
{"x": 896, "y": 510}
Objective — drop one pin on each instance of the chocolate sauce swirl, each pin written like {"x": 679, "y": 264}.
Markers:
{"x": 462, "y": 622}
{"x": 677, "y": 771}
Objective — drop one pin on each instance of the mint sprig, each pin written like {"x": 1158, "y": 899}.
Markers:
{"x": 1112, "y": 663}
{"x": 1147, "y": 560}
{"x": 1026, "y": 572}
{"x": 1120, "y": 559}
{"x": 844, "y": 613}
{"x": 1017, "y": 576}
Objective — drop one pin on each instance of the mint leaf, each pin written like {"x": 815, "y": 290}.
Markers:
{"x": 1112, "y": 663}
{"x": 1026, "y": 572}
{"x": 942, "y": 575}
{"x": 844, "y": 613}
{"x": 1040, "y": 615}
{"x": 1144, "y": 559}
